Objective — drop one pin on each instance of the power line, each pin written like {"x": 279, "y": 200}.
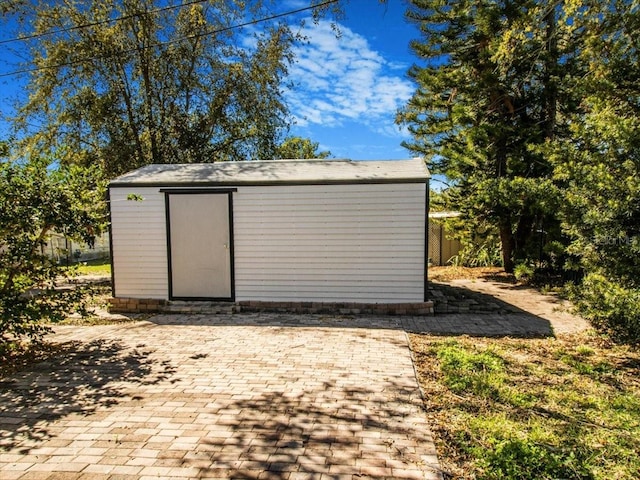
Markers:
{"x": 171, "y": 42}
{"x": 101, "y": 22}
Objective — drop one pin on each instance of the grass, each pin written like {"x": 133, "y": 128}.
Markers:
{"x": 95, "y": 267}
{"x": 563, "y": 408}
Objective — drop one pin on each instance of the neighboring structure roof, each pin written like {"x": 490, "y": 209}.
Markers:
{"x": 278, "y": 172}
{"x": 446, "y": 214}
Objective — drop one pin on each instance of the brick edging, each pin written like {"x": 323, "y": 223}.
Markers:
{"x": 151, "y": 305}
{"x": 136, "y": 305}
{"x": 420, "y": 308}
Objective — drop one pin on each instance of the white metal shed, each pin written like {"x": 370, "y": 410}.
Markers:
{"x": 272, "y": 231}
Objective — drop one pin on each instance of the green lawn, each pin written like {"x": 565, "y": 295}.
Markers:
{"x": 95, "y": 267}
{"x": 565, "y": 408}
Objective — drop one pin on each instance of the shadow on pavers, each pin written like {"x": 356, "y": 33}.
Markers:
{"x": 79, "y": 379}
{"x": 448, "y": 298}
{"x": 316, "y": 432}
{"x": 458, "y": 311}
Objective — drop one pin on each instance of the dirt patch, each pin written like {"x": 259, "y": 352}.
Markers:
{"x": 448, "y": 273}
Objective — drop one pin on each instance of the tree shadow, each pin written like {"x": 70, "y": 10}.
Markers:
{"x": 80, "y": 378}
{"x": 499, "y": 319}
{"x": 462, "y": 311}
{"x": 282, "y": 320}
{"x": 329, "y": 431}
{"x": 500, "y": 277}
{"x": 450, "y": 298}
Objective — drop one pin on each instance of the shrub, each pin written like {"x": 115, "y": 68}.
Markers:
{"x": 35, "y": 200}
{"x": 478, "y": 254}
{"x": 610, "y": 307}
{"x": 524, "y": 272}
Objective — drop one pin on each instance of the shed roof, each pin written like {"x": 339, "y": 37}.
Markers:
{"x": 298, "y": 172}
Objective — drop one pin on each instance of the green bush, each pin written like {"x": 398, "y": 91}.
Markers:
{"x": 34, "y": 201}
{"x": 478, "y": 254}
{"x": 610, "y": 307}
{"x": 524, "y": 272}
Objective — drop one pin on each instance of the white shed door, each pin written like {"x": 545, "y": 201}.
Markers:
{"x": 200, "y": 248}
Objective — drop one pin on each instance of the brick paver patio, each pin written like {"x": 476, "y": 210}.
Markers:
{"x": 242, "y": 396}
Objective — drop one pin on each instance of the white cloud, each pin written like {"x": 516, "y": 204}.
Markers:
{"x": 341, "y": 78}
{"x": 393, "y": 131}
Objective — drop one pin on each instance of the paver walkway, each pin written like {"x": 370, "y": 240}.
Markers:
{"x": 550, "y": 308}
{"x": 247, "y": 396}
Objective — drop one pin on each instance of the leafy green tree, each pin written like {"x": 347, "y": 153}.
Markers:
{"x": 37, "y": 199}
{"x": 487, "y": 96}
{"x": 162, "y": 84}
{"x": 598, "y": 165}
{"x": 298, "y": 147}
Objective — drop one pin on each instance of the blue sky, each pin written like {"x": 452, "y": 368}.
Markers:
{"x": 346, "y": 90}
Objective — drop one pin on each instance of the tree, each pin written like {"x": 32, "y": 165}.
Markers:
{"x": 598, "y": 165}
{"x": 134, "y": 82}
{"x": 35, "y": 200}
{"x": 487, "y": 99}
{"x": 298, "y": 147}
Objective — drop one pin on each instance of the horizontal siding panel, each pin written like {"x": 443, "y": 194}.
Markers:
{"x": 312, "y": 278}
{"x": 364, "y": 243}
{"x": 335, "y": 218}
{"x": 149, "y": 287}
{"x": 337, "y": 288}
{"x": 139, "y": 246}
{"x": 331, "y": 193}
{"x": 357, "y": 249}
{"x": 363, "y": 270}
{"x": 334, "y": 235}
{"x": 352, "y": 226}
{"x": 276, "y": 256}
{"x": 358, "y": 297}
{"x": 359, "y": 243}
{"x": 366, "y": 209}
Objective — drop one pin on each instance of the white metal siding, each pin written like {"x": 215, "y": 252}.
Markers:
{"x": 333, "y": 243}
{"x": 139, "y": 246}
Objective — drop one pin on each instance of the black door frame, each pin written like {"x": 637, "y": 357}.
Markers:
{"x": 195, "y": 191}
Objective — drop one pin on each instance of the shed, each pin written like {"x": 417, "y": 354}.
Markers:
{"x": 271, "y": 231}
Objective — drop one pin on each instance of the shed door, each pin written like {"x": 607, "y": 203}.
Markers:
{"x": 200, "y": 247}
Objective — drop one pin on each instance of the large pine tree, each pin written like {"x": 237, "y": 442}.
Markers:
{"x": 598, "y": 165}
{"x": 489, "y": 93}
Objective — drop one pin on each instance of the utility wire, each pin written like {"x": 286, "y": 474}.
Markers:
{"x": 171, "y": 42}
{"x": 101, "y": 22}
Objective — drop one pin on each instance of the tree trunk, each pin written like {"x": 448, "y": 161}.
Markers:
{"x": 507, "y": 243}
{"x": 523, "y": 234}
